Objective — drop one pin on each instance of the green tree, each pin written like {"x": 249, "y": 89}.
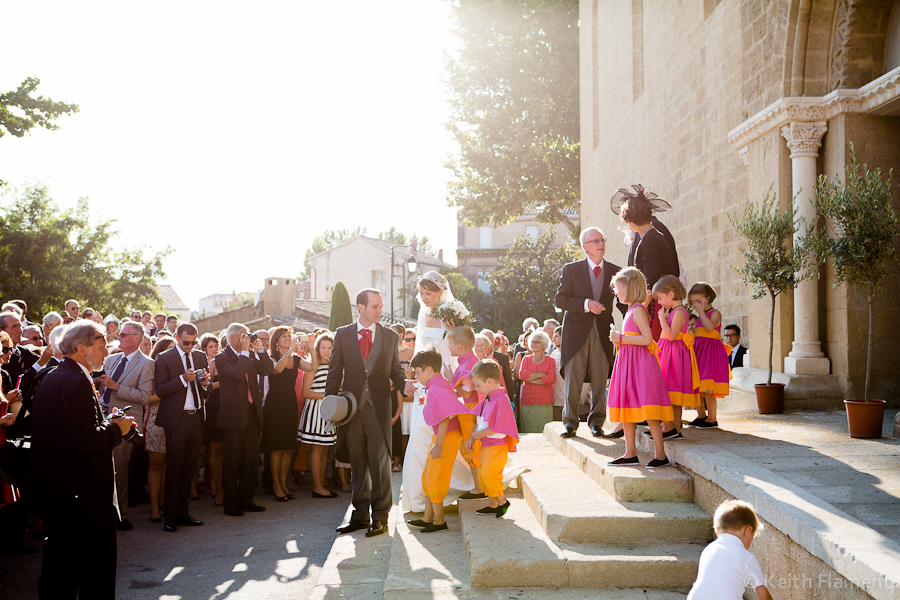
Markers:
{"x": 240, "y": 299}
{"x": 525, "y": 281}
{"x": 478, "y": 303}
{"x": 514, "y": 99}
{"x": 341, "y": 310}
{"x": 20, "y": 110}
{"x": 48, "y": 255}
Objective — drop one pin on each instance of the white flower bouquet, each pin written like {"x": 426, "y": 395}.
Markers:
{"x": 454, "y": 314}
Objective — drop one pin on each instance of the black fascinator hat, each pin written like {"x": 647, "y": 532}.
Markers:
{"x": 622, "y": 195}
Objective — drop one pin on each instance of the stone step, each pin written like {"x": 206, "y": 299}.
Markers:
{"x": 516, "y": 593}
{"x": 572, "y": 507}
{"x": 515, "y": 551}
{"x": 625, "y": 484}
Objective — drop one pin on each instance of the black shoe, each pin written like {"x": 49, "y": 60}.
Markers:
{"x": 170, "y": 527}
{"x": 673, "y": 434}
{"x": 124, "y": 525}
{"x": 434, "y": 528}
{"x": 352, "y": 526}
{"x": 234, "y": 512}
{"x": 471, "y": 496}
{"x": 596, "y": 431}
{"x": 658, "y": 463}
{"x": 418, "y": 523}
{"x": 329, "y": 495}
{"x": 614, "y": 435}
{"x": 281, "y": 498}
{"x": 486, "y": 511}
{"x": 188, "y": 522}
{"x": 704, "y": 424}
{"x": 619, "y": 462}
{"x": 567, "y": 433}
{"x": 379, "y": 527}
{"x": 501, "y": 510}
{"x": 697, "y": 420}
{"x": 644, "y": 423}
{"x": 252, "y": 507}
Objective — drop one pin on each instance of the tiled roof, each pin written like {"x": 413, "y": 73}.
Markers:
{"x": 401, "y": 253}
{"x": 322, "y": 308}
{"x": 171, "y": 301}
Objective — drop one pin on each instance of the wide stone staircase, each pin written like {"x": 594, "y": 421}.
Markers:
{"x": 574, "y": 523}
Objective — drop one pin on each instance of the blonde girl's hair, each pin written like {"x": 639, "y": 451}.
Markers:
{"x": 670, "y": 283}
{"x": 701, "y": 288}
{"x": 635, "y": 284}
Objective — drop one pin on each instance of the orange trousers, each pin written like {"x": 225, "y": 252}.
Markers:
{"x": 436, "y": 476}
{"x": 493, "y": 461}
{"x": 467, "y": 426}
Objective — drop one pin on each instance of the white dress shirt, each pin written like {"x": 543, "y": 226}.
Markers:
{"x": 189, "y": 403}
{"x": 360, "y": 327}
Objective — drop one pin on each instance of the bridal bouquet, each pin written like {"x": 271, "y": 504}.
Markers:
{"x": 454, "y": 314}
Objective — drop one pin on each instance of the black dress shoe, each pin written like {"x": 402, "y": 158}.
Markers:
{"x": 124, "y": 525}
{"x": 596, "y": 431}
{"x": 329, "y": 495}
{"x": 234, "y": 512}
{"x": 252, "y": 507}
{"x": 473, "y": 496}
{"x": 352, "y": 526}
{"x": 188, "y": 522}
{"x": 377, "y": 528}
{"x": 614, "y": 435}
{"x": 567, "y": 433}
{"x": 170, "y": 527}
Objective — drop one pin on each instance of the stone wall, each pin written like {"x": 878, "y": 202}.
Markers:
{"x": 242, "y": 314}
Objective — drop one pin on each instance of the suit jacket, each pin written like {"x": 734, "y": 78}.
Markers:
{"x": 737, "y": 358}
{"x": 135, "y": 384}
{"x": 172, "y": 393}
{"x": 670, "y": 240}
{"x": 503, "y": 359}
{"x": 234, "y": 373}
{"x": 21, "y": 361}
{"x": 574, "y": 289}
{"x": 347, "y": 373}
{"x": 71, "y": 450}
{"x": 655, "y": 257}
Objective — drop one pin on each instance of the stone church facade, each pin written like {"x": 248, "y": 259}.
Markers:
{"x": 709, "y": 104}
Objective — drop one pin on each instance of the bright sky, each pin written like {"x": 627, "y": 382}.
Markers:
{"x": 236, "y": 132}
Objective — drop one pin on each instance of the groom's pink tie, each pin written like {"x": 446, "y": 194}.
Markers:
{"x": 365, "y": 342}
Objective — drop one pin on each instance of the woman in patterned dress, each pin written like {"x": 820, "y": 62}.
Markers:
{"x": 314, "y": 430}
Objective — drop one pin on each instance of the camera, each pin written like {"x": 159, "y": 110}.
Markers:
{"x": 302, "y": 337}
{"x": 252, "y": 338}
{"x": 133, "y": 437}
{"x": 200, "y": 373}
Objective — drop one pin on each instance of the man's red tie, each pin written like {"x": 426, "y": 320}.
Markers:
{"x": 365, "y": 342}
{"x": 597, "y": 271}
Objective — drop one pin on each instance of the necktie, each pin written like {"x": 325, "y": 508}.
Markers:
{"x": 120, "y": 368}
{"x": 365, "y": 342}
{"x": 596, "y": 271}
{"x": 192, "y": 384}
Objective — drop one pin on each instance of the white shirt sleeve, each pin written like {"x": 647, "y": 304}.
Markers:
{"x": 586, "y": 309}
{"x": 755, "y": 577}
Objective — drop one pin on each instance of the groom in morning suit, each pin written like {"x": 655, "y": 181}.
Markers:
{"x": 585, "y": 295}
{"x": 365, "y": 362}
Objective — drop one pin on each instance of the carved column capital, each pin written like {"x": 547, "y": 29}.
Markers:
{"x": 804, "y": 138}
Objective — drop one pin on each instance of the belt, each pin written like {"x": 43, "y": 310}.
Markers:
{"x": 191, "y": 411}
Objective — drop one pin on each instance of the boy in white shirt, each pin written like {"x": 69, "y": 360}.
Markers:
{"x": 726, "y": 566}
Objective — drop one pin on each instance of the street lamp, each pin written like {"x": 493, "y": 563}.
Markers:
{"x": 411, "y": 265}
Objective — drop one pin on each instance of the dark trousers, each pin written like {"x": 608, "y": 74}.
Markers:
{"x": 370, "y": 464}
{"x": 182, "y": 451}
{"x": 590, "y": 358}
{"x": 79, "y": 561}
{"x": 239, "y": 466}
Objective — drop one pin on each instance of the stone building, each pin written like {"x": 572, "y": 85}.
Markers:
{"x": 709, "y": 103}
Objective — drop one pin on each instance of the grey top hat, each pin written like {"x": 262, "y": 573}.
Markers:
{"x": 339, "y": 409}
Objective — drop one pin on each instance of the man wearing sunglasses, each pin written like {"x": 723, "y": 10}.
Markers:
{"x": 22, "y": 361}
{"x": 127, "y": 381}
{"x": 181, "y": 378}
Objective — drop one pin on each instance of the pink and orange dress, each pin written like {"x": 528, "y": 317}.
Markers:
{"x": 712, "y": 360}
{"x": 637, "y": 390}
{"x": 679, "y": 364}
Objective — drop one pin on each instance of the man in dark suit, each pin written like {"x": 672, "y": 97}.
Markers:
{"x": 585, "y": 295}
{"x": 181, "y": 379}
{"x": 127, "y": 381}
{"x": 365, "y": 362}
{"x": 72, "y": 472}
{"x": 240, "y": 416}
{"x": 738, "y": 354}
{"x": 22, "y": 362}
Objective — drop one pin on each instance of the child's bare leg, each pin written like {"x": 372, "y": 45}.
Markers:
{"x": 677, "y": 423}
{"x": 656, "y": 432}
{"x": 710, "y": 407}
{"x": 475, "y": 475}
{"x": 428, "y": 517}
{"x": 500, "y": 499}
{"x": 630, "y": 449}
{"x": 437, "y": 508}
{"x": 701, "y": 410}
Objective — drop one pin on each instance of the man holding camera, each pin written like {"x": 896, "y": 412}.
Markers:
{"x": 127, "y": 383}
{"x": 181, "y": 380}
{"x": 240, "y": 416}
{"x": 72, "y": 472}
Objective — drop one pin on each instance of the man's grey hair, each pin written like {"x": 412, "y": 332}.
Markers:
{"x": 82, "y": 331}
{"x": 235, "y": 329}
{"x": 10, "y": 307}
{"x": 529, "y": 321}
{"x": 553, "y": 322}
{"x": 584, "y": 233}
{"x": 5, "y": 318}
{"x": 56, "y": 335}
{"x": 51, "y": 319}
{"x": 488, "y": 334}
{"x": 136, "y": 327}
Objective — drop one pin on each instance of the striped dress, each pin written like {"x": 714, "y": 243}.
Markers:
{"x": 313, "y": 428}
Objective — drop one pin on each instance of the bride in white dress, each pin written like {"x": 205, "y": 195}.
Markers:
{"x": 434, "y": 289}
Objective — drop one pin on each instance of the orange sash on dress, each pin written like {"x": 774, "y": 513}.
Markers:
{"x": 653, "y": 348}
{"x": 688, "y": 339}
{"x": 714, "y": 335}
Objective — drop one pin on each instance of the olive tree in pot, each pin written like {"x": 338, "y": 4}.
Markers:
{"x": 863, "y": 228}
{"x": 771, "y": 267}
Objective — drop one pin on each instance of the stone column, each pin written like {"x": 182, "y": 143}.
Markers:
{"x": 806, "y": 357}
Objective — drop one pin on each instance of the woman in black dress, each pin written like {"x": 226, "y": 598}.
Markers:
{"x": 280, "y": 412}
{"x": 212, "y": 435}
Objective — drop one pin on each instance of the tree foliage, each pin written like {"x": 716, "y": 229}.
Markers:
{"x": 48, "y": 255}
{"x": 771, "y": 266}
{"x": 20, "y": 110}
{"x": 341, "y": 310}
{"x": 864, "y": 226}
{"x": 514, "y": 99}
{"x": 240, "y": 299}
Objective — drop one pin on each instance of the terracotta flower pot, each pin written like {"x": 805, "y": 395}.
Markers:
{"x": 865, "y": 419}
{"x": 770, "y": 398}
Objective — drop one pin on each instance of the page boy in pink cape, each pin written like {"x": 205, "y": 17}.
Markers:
{"x": 496, "y": 428}
{"x": 441, "y": 411}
